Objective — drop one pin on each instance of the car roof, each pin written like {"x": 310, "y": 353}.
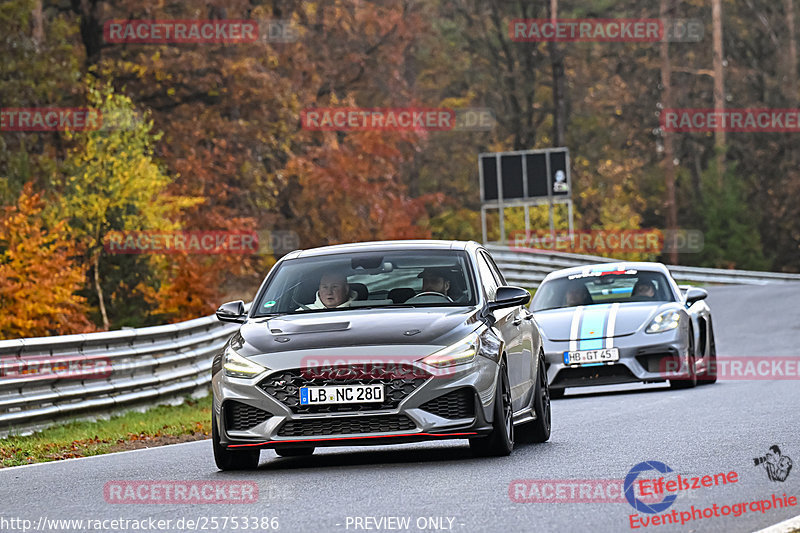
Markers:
{"x": 384, "y": 246}
{"x": 647, "y": 266}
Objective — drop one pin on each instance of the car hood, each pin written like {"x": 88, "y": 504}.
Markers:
{"x": 599, "y": 320}
{"x": 352, "y": 329}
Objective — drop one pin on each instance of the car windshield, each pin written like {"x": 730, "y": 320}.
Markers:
{"x": 368, "y": 279}
{"x": 602, "y": 287}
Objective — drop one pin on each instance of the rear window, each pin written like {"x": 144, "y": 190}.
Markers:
{"x": 603, "y": 287}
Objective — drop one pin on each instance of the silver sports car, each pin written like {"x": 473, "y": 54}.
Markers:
{"x": 379, "y": 343}
{"x": 623, "y": 322}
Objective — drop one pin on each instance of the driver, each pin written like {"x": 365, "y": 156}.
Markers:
{"x": 333, "y": 292}
{"x": 435, "y": 280}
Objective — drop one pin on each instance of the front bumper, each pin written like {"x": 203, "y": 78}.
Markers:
{"x": 642, "y": 358}
{"x": 264, "y": 411}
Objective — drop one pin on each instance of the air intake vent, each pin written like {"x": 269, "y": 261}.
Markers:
{"x": 345, "y": 426}
{"x": 457, "y": 404}
{"x": 241, "y": 417}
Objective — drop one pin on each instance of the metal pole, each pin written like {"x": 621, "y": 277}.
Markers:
{"x": 483, "y": 223}
{"x": 525, "y": 194}
{"x": 569, "y": 208}
{"x": 550, "y": 194}
{"x": 500, "y": 200}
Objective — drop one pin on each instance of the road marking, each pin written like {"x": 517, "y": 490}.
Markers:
{"x": 787, "y": 526}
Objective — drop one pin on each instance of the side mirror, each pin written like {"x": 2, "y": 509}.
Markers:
{"x": 509, "y": 297}
{"x": 695, "y": 294}
{"x": 232, "y": 312}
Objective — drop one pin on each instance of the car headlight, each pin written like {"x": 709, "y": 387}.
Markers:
{"x": 237, "y": 366}
{"x": 664, "y": 321}
{"x": 460, "y": 353}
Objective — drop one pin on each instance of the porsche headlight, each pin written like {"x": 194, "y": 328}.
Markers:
{"x": 460, "y": 353}
{"x": 237, "y": 366}
{"x": 664, "y": 321}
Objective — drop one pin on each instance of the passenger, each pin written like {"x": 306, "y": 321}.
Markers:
{"x": 644, "y": 290}
{"x": 333, "y": 292}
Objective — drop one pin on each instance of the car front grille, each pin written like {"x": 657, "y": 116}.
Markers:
{"x": 593, "y": 375}
{"x": 285, "y": 387}
{"x": 241, "y": 417}
{"x": 346, "y": 426}
{"x": 456, "y": 404}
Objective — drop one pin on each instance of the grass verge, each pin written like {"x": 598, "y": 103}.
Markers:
{"x": 133, "y": 430}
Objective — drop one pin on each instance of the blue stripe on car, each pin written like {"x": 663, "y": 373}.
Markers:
{"x": 595, "y": 318}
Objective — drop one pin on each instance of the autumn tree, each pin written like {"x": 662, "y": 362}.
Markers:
{"x": 113, "y": 182}
{"x": 40, "y": 273}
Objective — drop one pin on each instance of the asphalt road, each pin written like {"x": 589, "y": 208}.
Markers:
{"x": 597, "y": 434}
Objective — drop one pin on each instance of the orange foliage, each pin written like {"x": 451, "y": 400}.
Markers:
{"x": 352, "y": 191}
{"x": 38, "y": 275}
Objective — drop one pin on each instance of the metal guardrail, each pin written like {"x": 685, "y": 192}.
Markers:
{"x": 140, "y": 366}
{"x": 150, "y": 365}
{"x": 529, "y": 268}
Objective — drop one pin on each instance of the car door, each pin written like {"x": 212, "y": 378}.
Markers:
{"x": 509, "y": 326}
{"x": 529, "y": 339}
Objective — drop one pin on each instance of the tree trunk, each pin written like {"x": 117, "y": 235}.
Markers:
{"x": 791, "y": 86}
{"x": 559, "y": 85}
{"x": 719, "y": 86}
{"x": 670, "y": 204}
{"x": 38, "y": 24}
{"x": 91, "y": 28}
{"x": 99, "y": 289}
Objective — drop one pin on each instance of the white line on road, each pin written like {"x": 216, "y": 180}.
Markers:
{"x": 787, "y": 526}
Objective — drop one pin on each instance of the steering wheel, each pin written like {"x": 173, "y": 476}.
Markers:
{"x": 303, "y": 306}
{"x": 430, "y": 293}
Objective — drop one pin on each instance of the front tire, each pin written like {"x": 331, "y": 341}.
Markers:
{"x": 500, "y": 442}
{"x": 709, "y": 375}
{"x": 232, "y": 460}
{"x": 539, "y": 429}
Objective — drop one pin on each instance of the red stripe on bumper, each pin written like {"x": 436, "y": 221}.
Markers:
{"x": 352, "y": 438}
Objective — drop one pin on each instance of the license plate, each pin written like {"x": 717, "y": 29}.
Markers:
{"x": 341, "y": 394}
{"x": 583, "y": 357}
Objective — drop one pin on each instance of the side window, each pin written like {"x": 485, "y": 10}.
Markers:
{"x": 488, "y": 280}
{"x": 497, "y": 274}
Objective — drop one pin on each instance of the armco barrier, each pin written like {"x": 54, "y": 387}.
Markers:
{"x": 528, "y": 269}
{"x": 151, "y": 365}
{"x": 147, "y": 365}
